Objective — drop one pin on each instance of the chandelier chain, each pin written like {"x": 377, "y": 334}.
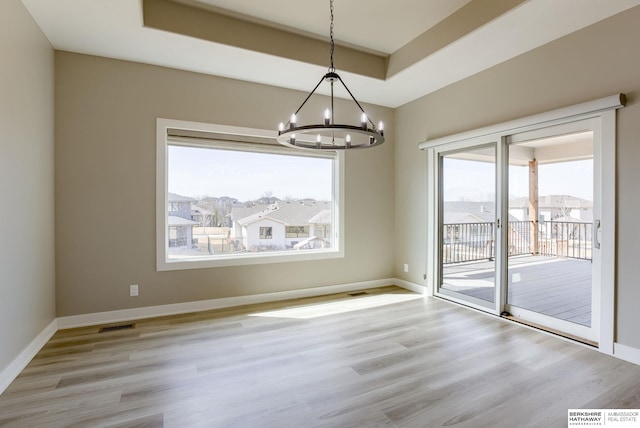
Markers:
{"x": 331, "y": 42}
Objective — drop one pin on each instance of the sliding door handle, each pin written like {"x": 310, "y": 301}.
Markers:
{"x": 595, "y": 234}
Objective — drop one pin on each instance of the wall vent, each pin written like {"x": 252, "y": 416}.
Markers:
{"x": 358, "y": 293}
{"x": 116, "y": 327}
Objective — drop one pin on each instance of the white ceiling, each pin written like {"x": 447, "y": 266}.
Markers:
{"x": 114, "y": 29}
{"x": 370, "y": 30}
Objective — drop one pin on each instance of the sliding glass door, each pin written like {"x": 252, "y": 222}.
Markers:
{"x": 516, "y": 226}
{"x": 553, "y": 207}
{"x": 467, "y": 226}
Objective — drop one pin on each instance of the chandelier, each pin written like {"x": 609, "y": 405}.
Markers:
{"x": 330, "y": 135}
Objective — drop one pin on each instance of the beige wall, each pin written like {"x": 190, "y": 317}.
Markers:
{"x": 27, "y": 292}
{"x": 598, "y": 61}
{"x": 105, "y": 187}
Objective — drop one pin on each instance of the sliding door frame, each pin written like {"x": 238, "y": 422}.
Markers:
{"x": 603, "y": 110}
{"x": 439, "y": 153}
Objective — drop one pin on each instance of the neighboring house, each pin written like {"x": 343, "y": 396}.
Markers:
{"x": 550, "y": 207}
{"x": 179, "y": 220}
{"x": 554, "y": 207}
{"x": 320, "y": 225}
{"x": 468, "y": 212}
{"x": 201, "y": 216}
{"x": 283, "y": 225}
{"x": 472, "y": 224}
{"x": 477, "y": 217}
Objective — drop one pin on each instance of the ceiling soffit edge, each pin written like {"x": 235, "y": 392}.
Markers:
{"x": 220, "y": 28}
{"x": 464, "y": 21}
{"x": 207, "y": 23}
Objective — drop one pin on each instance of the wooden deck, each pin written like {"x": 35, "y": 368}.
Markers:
{"x": 551, "y": 286}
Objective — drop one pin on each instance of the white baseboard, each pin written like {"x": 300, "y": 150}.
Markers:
{"x": 626, "y": 353}
{"x": 411, "y": 286}
{"x": 205, "y": 305}
{"x": 9, "y": 373}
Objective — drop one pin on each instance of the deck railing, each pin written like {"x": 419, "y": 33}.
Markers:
{"x": 466, "y": 242}
{"x": 566, "y": 239}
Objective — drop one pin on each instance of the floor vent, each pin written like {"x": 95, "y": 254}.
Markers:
{"x": 358, "y": 293}
{"x": 116, "y": 327}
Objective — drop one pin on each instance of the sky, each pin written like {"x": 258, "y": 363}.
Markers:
{"x": 475, "y": 181}
{"x": 199, "y": 172}
{"x": 573, "y": 178}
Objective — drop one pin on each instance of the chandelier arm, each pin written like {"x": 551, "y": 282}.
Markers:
{"x": 307, "y": 99}
{"x": 356, "y": 101}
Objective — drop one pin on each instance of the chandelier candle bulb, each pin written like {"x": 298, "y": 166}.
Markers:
{"x": 380, "y": 127}
{"x": 363, "y": 121}
{"x": 327, "y": 117}
{"x": 318, "y": 141}
{"x": 347, "y": 141}
{"x": 281, "y": 127}
{"x": 293, "y": 120}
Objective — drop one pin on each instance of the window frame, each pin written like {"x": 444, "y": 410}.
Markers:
{"x": 264, "y": 140}
{"x": 266, "y": 232}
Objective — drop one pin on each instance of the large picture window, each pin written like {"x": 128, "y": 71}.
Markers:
{"x": 229, "y": 196}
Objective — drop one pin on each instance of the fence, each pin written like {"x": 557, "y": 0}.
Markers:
{"x": 566, "y": 239}
{"x": 466, "y": 242}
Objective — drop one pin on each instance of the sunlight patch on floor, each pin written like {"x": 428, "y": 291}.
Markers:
{"x": 339, "y": 307}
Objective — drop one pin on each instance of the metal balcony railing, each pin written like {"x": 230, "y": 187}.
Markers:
{"x": 466, "y": 242}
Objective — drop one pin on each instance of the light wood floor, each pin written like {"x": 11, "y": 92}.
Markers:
{"x": 383, "y": 359}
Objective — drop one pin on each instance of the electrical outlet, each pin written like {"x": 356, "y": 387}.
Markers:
{"x": 133, "y": 290}
{"x": 406, "y": 267}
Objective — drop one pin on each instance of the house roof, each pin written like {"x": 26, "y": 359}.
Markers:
{"x": 457, "y": 211}
{"x": 290, "y": 213}
{"x": 323, "y": 217}
{"x": 470, "y": 212}
{"x": 195, "y": 209}
{"x": 453, "y": 218}
{"x": 247, "y": 215}
{"x": 553, "y": 201}
{"x": 173, "y": 220}
{"x": 174, "y": 197}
